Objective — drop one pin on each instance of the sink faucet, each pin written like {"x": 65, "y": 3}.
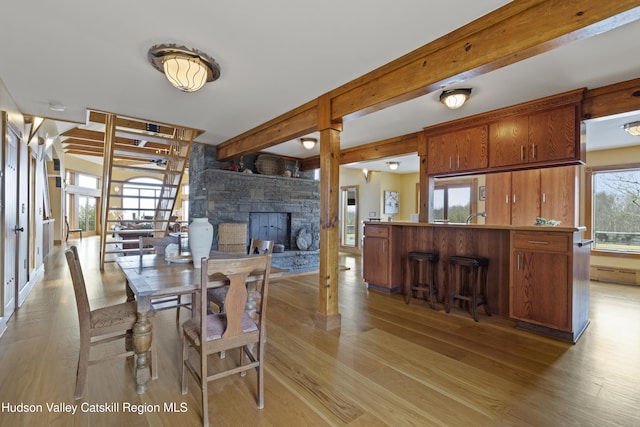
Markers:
{"x": 482, "y": 214}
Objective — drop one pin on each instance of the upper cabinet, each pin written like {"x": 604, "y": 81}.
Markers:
{"x": 540, "y": 133}
{"x": 459, "y": 151}
{"x": 541, "y": 137}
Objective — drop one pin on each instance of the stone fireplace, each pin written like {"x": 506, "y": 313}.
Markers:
{"x": 275, "y": 208}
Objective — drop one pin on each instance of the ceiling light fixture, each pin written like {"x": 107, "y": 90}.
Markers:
{"x": 308, "y": 143}
{"x": 454, "y": 98}
{"x": 632, "y": 128}
{"x": 56, "y": 106}
{"x": 187, "y": 69}
{"x": 393, "y": 165}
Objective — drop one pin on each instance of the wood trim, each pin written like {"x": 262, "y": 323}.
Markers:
{"x": 294, "y": 124}
{"x": 612, "y": 99}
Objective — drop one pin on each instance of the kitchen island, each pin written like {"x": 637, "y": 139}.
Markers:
{"x": 537, "y": 275}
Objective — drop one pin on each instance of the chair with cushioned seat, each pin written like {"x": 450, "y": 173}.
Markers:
{"x": 105, "y": 324}
{"x": 234, "y": 329}
{"x": 256, "y": 247}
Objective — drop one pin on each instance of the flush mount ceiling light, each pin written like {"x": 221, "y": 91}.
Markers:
{"x": 393, "y": 165}
{"x": 308, "y": 143}
{"x": 187, "y": 69}
{"x": 632, "y": 128}
{"x": 454, "y": 98}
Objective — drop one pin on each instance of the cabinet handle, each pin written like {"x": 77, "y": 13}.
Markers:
{"x": 450, "y": 162}
{"x": 537, "y": 242}
{"x": 533, "y": 151}
{"x": 458, "y": 161}
{"x": 514, "y": 198}
{"x": 506, "y": 199}
{"x": 544, "y": 197}
{"x": 518, "y": 263}
{"x": 522, "y": 152}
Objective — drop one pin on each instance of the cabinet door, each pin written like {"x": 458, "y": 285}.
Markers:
{"x": 498, "y": 198}
{"x": 509, "y": 139}
{"x": 375, "y": 260}
{"x": 552, "y": 135}
{"x": 525, "y": 196}
{"x": 540, "y": 290}
{"x": 558, "y": 192}
{"x": 441, "y": 151}
{"x": 458, "y": 151}
{"x": 472, "y": 149}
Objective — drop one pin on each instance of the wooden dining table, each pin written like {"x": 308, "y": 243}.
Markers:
{"x": 151, "y": 276}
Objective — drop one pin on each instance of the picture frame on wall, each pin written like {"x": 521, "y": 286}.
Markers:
{"x": 391, "y": 202}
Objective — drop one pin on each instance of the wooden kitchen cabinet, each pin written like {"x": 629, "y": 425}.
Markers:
{"x": 539, "y": 291}
{"x": 381, "y": 258}
{"x": 549, "y": 291}
{"x": 517, "y": 198}
{"x": 458, "y": 151}
{"x": 548, "y": 136}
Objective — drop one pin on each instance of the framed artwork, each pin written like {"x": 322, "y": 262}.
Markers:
{"x": 482, "y": 192}
{"x": 391, "y": 202}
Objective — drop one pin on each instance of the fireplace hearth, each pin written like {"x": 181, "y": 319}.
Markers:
{"x": 274, "y": 208}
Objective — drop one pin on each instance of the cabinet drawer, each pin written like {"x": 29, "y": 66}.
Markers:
{"x": 554, "y": 242}
{"x": 374, "y": 231}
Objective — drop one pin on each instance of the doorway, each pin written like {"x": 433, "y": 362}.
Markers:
{"x": 349, "y": 214}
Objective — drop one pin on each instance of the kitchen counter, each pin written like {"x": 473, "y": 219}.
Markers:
{"x": 537, "y": 275}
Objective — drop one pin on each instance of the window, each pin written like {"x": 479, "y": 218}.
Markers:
{"x": 453, "y": 200}
{"x": 615, "y": 209}
{"x": 140, "y": 198}
{"x": 87, "y": 181}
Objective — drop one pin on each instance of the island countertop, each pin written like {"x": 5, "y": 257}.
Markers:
{"x": 537, "y": 275}
{"x": 543, "y": 228}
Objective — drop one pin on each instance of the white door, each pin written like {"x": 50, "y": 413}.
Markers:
{"x": 22, "y": 209}
{"x": 10, "y": 221}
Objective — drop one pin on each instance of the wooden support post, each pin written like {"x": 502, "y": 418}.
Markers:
{"x": 328, "y": 316}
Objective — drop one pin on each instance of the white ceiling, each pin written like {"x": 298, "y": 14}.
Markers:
{"x": 276, "y": 55}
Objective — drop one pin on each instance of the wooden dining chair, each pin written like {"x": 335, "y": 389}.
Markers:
{"x": 101, "y": 325}
{"x": 71, "y": 230}
{"x": 233, "y": 329}
{"x": 159, "y": 246}
{"x": 256, "y": 247}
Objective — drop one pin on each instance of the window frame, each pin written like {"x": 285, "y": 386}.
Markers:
{"x": 446, "y": 184}
{"x": 588, "y": 208}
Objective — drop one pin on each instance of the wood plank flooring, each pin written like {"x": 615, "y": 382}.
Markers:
{"x": 390, "y": 364}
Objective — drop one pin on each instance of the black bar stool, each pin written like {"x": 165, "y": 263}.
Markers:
{"x": 473, "y": 290}
{"x": 421, "y": 273}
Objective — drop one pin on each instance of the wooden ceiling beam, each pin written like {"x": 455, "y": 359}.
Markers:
{"x": 531, "y": 27}
{"x": 396, "y": 146}
{"x": 294, "y": 124}
{"x": 612, "y": 99}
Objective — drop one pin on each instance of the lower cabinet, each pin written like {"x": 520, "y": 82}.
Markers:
{"x": 549, "y": 291}
{"x": 381, "y": 258}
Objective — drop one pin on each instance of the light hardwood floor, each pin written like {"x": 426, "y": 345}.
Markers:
{"x": 390, "y": 363}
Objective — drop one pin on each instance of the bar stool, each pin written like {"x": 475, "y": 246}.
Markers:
{"x": 473, "y": 290}
{"x": 421, "y": 271}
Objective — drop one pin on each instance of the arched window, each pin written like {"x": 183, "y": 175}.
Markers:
{"x": 140, "y": 198}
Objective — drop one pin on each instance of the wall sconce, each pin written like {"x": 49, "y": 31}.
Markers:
{"x": 454, "y": 98}
{"x": 367, "y": 174}
{"x": 393, "y": 165}
{"x": 308, "y": 143}
{"x": 632, "y": 128}
{"x": 187, "y": 69}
